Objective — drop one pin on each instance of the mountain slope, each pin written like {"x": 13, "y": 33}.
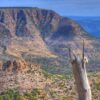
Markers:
{"x": 25, "y": 37}
{"x": 23, "y": 24}
{"x": 34, "y": 34}
{"x": 19, "y": 78}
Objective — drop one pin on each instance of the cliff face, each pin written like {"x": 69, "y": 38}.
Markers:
{"x": 36, "y": 25}
{"x": 26, "y": 21}
{"x": 19, "y": 31}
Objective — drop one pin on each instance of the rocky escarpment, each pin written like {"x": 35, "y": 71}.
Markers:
{"x": 39, "y": 24}
{"x": 14, "y": 66}
{"x": 21, "y": 75}
{"x": 19, "y": 32}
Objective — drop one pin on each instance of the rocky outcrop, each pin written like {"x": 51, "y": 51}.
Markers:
{"x": 19, "y": 22}
{"x": 14, "y": 66}
{"x": 30, "y": 29}
{"x": 20, "y": 75}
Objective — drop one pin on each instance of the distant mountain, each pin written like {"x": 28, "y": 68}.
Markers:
{"x": 28, "y": 29}
{"x": 43, "y": 36}
{"x": 90, "y": 24}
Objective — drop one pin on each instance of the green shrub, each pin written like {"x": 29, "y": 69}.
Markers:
{"x": 7, "y": 97}
{"x": 11, "y": 94}
{"x": 1, "y": 97}
{"x": 30, "y": 96}
{"x": 35, "y": 92}
{"x": 97, "y": 86}
{"x": 19, "y": 97}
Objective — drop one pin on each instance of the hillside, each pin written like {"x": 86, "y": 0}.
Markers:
{"x": 43, "y": 36}
{"x": 20, "y": 80}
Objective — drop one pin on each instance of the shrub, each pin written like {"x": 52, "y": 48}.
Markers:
{"x": 11, "y": 94}
{"x": 1, "y": 97}
{"x": 97, "y": 86}
{"x": 30, "y": 96}
{"x": 19, "y": 97}
{"x": 35, "y": 92}
{"x": 7, "y": 97}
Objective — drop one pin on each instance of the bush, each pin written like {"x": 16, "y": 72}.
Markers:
{"x": 7, "y": 97}
{"x": 20, "y": 97}
{"x": 11, "y": 94}
{"x": 30, "y": 96}
{"x": 97, "y": 86}
{"x": 1, "y": 97}
{"x": 35, "y": 92}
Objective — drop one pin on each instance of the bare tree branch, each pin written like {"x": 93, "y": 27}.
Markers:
{"x": 80, "y": 75}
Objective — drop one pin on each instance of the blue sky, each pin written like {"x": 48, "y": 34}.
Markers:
{"x": 63, "y": 7}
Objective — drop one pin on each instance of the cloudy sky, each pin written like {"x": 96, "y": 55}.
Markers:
{"x": 63, "y": 7}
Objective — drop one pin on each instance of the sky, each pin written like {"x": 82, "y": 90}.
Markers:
{"x": 63, "y": 7}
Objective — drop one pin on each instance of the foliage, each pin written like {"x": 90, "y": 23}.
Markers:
{"x": 51, "y": 65}
{"x": 14, "y": 95}
{"x": 35, "y": 92}
{"x": 1, "y": 97}
{"x": 11, "y": 95}
{"x": 59, "y": 76}
{"x": 19, "y": 97}
{"x": 30, "y": 96}
{"x": 61, "y": 88}
{"x": 97, "y": 86}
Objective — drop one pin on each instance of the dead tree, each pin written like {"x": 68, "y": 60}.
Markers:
{"x": 80, "y": 75}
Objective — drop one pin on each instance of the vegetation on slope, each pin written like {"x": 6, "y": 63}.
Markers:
{"x": 58, "y": 87}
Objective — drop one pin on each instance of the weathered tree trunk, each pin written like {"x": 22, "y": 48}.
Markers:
{"x": 80, "y": 75}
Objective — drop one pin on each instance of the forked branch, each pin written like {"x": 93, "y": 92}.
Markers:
{"x": 80, "y": 75}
